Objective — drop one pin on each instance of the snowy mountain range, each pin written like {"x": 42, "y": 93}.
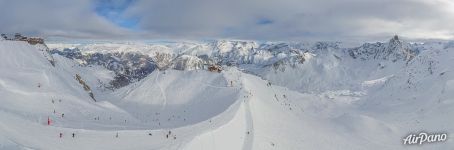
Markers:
{"x": 269, "y": 95}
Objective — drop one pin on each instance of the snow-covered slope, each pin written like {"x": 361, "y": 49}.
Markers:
{"x": 268, "y": 96}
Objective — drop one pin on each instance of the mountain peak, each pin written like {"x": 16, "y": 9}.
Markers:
{"x": 395, "y": 38}
{"x": 395, "y": 41}
{"x": 394, "y": 50}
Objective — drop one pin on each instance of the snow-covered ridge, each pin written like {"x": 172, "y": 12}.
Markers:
{"x": 268, "y": 96}
{"x": 394, "y": 50}
{"x": 267, "y": 59}
{"x": 186, "y": 56}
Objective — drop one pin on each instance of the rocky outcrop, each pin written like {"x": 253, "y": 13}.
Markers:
{"x": 20, "y": 37}
{"x": 85, "y": 86}
{"x": 215, "y": 68}
{"x": 187, "y": 62}
{"x": 394, "y": 50}
{"x": 162, "y": 60}
{"x": 128, "y": 66}
{"x": 133, "y": 66}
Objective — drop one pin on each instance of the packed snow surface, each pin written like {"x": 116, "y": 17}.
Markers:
{"x": 274, "y": 96}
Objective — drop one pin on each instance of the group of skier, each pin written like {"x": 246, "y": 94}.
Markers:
{"x": 73, "y": 135}
{"x": 168, "y": 135}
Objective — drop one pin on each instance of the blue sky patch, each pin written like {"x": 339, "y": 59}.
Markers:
{"x": 113, "y": 11}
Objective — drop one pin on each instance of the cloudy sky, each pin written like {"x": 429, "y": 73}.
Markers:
{"x": 233, "y": 19}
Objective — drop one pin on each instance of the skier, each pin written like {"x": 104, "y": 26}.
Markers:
{"x": 116, "y": 135}
{"x": 74, "y": 135}
{"x": 62, "y": 115}
{"x": 48, "y": 121}
{"x": 61, "y": 135}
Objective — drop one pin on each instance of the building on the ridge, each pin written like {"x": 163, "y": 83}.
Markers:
{"x": 35, "y": 40}
{"x": 19, "y": 37}
{"x": 215, "y": 68}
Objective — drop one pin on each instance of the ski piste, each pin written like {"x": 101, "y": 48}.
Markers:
{"x": 267, "y": 95}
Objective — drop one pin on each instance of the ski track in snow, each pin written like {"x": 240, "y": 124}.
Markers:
{"x": 249, "y": 138}
{"x": 237, "y": 110}
{"x": 247, "y": 145}
{"x": 162, "y": 90}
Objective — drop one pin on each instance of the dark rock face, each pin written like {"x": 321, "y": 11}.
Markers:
{"x": 68, "y": 53}
{"x": 133, "y": 66}
{"x": 85, "y": 86}
{"x": 128, "y": 67}
{"x": 394, "y": 50}
{"x": 120, "y": 81}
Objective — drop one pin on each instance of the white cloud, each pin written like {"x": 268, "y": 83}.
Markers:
{"x": 297, "y": 19}
{"x": 198, "y": 19}
{"x": 55, "y": 18}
